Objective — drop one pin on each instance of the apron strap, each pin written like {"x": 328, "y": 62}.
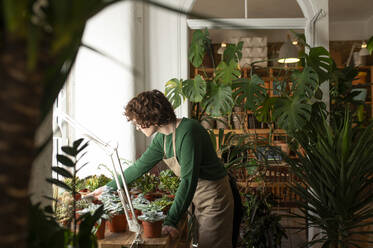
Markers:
{"x": 173, "y": 142}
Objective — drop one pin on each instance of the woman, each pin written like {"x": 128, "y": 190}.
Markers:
{"x": 185, "y": 146}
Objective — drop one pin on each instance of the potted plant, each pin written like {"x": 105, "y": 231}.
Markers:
{"x": 262, "y": 227}
{"x": 152, "y": 223}
{"x": 99, "y": 229}
{"x": 114, "y": 209}
{"x": 168, "y": 182}
{"x": 94, "y": 182}
{"x": 162, "y": 204}
{"x": 47, "y": 234}
{"x": 148, "y": 185}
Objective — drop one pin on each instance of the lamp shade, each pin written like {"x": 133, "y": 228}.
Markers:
{"x": 288, "y": 53}
{"x": 364, "y": 52}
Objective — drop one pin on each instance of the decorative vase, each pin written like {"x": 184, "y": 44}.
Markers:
{"x": 100, "y": 234}
{"x": 118, "y": 223}
{"x": 152, "y": 229}
{"x": 221, "y": 122}
{"x": 207, "y": 123}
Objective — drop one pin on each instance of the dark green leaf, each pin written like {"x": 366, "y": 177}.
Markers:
{"x": 319, "y": 59}
{"x": 77, "y": 143}
{"x": 194, "y": 89}
{"x": 65, "y": 160}
{"x": 83, "y": 147}
{"x": 305, "y": 82}
{"x": 174, "y": 92}
{"x": 233, "y": 52}
{"x": 59, "y": 184}
{"x": 249, "y": 92}
{"x": 69, "y": 150}
{"x": 219, "y": 99}
{"x": 197, "y": 47}
{"x": 62, "y": 171}
{"x": 292, "y": 114}
{"x": 226, "y": 73}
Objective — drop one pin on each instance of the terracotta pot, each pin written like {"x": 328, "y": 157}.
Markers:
{"x": 149, "y": 197}
{"x": 78, "y": 196}
{"x": 118, "y": 223}
{"x": 152, "y": 229}
{"x": 100, "y": 234}
{"x": 137, "y": 213}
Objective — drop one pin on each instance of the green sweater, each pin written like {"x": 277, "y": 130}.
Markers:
{"x": 197, "y": 159}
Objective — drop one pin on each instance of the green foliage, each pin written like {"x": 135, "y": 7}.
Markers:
{"x": 147, "y": 183}
{"x": 226, "y": 73}
{"x": 215, "y": 95}
{"x": 292, "y": 114}
{"x": 263, "y": 228}
{"x": 79, "y": 183}
{"x": 94, "y": 182}
{"x": 44, "y": 230}
{"x": 218, "y": 100}
{"x": 112, "y": 204}
{"x": 194, "y": 89}
{"x": 305, "y": 83}
{"x": 174, "y": 92}
{"x": 337, "y": 171}
{"x": 319, "y": 59}
{"x": 152, "y": 216}
{"x": 233, "y": 53}
{"x": 197, "y": 47}
{"x": 168, "y": 182}
{"x": 249, "y": 92}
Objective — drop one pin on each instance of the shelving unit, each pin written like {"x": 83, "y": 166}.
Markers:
{"x": 369, "y": 86}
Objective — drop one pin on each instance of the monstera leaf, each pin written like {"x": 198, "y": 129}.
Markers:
{"x": 195, "y": 89}
{"x": 197, "y": 47}
{"x": 174, "y": 92}
{"x": 305, "y": 82}
{"x": 233, "y": 52}
{"x": 226, "y": 73}
{"x": 319, "y": 59}
{"x": 263, "y": 113}
{"x": 249, "y": 92}
{"x": 291, "y": 113}
{"x": 219, "y": 99}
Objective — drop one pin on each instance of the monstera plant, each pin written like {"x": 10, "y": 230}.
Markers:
{"x": 212, "y": 95}
{"x": 216, "y": 95}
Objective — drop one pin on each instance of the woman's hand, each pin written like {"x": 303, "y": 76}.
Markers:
{"x": 172, "y": 231}
{"x": 95, "y": 194}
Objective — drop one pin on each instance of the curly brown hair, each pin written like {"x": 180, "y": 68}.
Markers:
{"x": 150, "y": 108}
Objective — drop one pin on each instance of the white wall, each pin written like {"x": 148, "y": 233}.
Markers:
{"x": 164, "y": 57}
{"x": 103, "y": 87}
{"x": 348, "y": 30}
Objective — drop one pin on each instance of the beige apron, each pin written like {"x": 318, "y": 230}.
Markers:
{"x": 214, "y": 205}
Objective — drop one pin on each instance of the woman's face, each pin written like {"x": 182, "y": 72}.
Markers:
{"x": 148, "y": 131}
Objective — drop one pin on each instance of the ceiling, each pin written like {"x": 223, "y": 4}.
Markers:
{"x": 339, "y": 10}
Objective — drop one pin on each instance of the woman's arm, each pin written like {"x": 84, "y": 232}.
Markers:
{"x": 152, "y": 155}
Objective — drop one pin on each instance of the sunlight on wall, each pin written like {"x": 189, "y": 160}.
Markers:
{"x": 102, "y": 87}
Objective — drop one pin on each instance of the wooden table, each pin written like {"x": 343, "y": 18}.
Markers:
{"x": 119, "y": 240}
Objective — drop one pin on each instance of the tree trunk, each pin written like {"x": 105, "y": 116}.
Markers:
{"x": 20, "y": 94}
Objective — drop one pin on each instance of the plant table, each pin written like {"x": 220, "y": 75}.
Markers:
{"x": 117, "y": 240}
